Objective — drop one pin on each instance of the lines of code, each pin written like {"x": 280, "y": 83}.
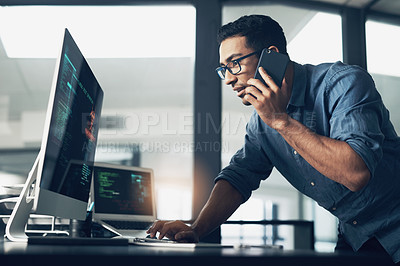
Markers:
{"x": 106, "y": 181}
{"x": 142, "y": 185}
{"x": 64, "y": 104}
{"x": 86, "y": 173}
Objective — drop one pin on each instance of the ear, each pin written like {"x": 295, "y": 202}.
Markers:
{"x": 274, "y": 48}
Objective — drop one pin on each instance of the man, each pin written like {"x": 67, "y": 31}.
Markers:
{"x": 325, "y": 129}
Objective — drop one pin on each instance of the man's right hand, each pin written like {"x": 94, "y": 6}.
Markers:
{"x": 223, "y": 201}
{"x": 174, "y": 230}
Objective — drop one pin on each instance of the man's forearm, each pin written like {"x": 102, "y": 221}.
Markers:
{"x": 223, "y": 201}
{"x": 333, "y": 158}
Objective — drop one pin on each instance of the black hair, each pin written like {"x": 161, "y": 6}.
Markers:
{"x": 260, "y": 32}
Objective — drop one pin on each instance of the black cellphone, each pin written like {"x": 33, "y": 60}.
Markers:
{"x": 274, "y": 63}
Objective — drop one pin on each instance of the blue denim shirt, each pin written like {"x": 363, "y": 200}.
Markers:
{"x": 341, "y": 102}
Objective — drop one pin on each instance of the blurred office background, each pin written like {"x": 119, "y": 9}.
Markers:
{"x": 144, "y": 57}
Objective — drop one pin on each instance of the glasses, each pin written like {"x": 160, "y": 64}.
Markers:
{"x": 233, "y": 66}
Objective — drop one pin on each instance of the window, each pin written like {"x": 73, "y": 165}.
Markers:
{"x": 101, "y": 31}
{"x": 383, "y": 42}
{"x": 146, "y": 73}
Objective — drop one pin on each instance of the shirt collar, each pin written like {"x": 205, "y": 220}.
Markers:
{"x": 299, "y": 85}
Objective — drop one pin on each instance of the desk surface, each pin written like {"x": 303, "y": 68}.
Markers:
{"x": 12, "y": 253}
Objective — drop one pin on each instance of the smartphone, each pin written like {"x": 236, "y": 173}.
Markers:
{"x": 274, "y": 63}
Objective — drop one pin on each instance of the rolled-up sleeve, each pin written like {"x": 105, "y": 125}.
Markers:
{"x": 357, "y": 115}
{"x": 249, "y": 165}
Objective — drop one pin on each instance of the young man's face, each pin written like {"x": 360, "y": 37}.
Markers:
{"x": 231, "y": 49}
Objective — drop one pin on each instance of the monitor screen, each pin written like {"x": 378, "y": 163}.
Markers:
{"x": 71, "y": 141}
{"x": 122, "y": 191}
{"x": 63, "y": 169}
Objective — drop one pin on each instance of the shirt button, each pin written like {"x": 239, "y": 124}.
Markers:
{"x": 334, "y": 209}
{"x": 354, "y": 222}
{"x": 295, "y": 152}
{"x": 312, "y": 184}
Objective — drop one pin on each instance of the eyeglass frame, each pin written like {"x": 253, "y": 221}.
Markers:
{"x": 220, "y": 68}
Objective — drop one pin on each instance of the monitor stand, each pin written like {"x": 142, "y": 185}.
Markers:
{"x": 16, "y": 225}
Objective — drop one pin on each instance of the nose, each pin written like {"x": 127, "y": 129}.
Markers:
{"x": 229, "y": 78}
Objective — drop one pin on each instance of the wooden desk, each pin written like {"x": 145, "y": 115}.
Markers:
{"x": 12, "y": 253}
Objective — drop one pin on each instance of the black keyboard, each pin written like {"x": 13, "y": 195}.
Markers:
{"x": 50, "y": 240}
{"x": 129, "y": 225}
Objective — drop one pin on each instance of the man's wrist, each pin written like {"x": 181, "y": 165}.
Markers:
{"x": 280, "y": 122}
{"x": 195, "y": 229}
{"x": 290, "y": 126}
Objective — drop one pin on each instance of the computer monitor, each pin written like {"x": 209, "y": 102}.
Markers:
{"x": 60, "y": 179}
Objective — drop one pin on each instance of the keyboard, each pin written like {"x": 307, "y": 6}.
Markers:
{"x": 162, "y": 243}
{"x": 152, "y": 240}
{"x": 128, "y": 225}
{"x": 50, "y": 240}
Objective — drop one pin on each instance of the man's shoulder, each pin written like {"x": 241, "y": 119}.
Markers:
{"x": 340, "y": 68}
{"x": 331, "y": 74}
{"x": 337, "y": 70}
{"x": 333, "y": 69}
